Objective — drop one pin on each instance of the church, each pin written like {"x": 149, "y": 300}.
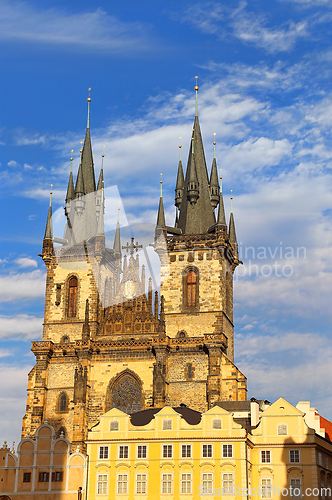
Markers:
{"x": 112, "y": 341}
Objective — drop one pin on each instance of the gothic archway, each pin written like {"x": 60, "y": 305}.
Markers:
{"x": 125, "y": 392}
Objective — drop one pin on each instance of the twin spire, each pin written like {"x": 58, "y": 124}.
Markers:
{"x": 196, "y": 195}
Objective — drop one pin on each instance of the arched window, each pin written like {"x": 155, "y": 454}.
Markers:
{"x": 65, "y": 339}
{"x": 182, "y": 335}
{"x": 191, "y": 289}
{"x": 125, "y": 393}
{"x": 190, "y": 370}
{"x": 72, "y": 297}
{"x": 63, "y": 402}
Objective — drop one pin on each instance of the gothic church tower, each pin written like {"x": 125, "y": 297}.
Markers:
{"x": 108, "y": 339}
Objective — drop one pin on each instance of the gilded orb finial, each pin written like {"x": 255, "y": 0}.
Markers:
{"x": 196, "y": 86}
{"x": 231, "y": 201}
{"x": 89, "y": 98}
{"x": 161, "y": 185}
{"x": 180, "y": 146}
{"x": 103, "y": 152}
{"x": 214, "y": 146}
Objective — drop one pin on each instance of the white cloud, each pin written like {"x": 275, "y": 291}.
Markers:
{"x": 17, "y": 286}
{"x": 20, "y": 327}
{"x": 26, "y": 262}
{"x": 5, "y": 353}
{"x": 27, "y": 167}
{"x": 251, "y": 30}
{"x": 94, "y": 30}
{"x": 12, "y": 401}
{"x": 249, "y": 27}
{"x": 12, "y": 163}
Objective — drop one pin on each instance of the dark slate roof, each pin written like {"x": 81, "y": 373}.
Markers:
{"x": 232, "y": 232}
{"x": 141, "y": 418}
{"x": 196, "y": 218}
{"x": 49, "y": 227}
{"x": 221, "y": 211}
{"x": 87, "y": 165}
{"x": 70, "y": 190}
{"x": 161, "y": 214}
{"x": 234, "y": 405}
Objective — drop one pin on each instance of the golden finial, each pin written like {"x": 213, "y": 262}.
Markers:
{"x": 161, "y": 185}
{"x": 71, "y": 160}
{"x": 231, "y": 201}
{"x": 103, "y": 152}
{"x": 180, "y": 149}
{"x": 89, "y": 100}
{"x": 214, "y": 146}
{"x": 196, "y": 90}
{"x": 51, "y": 192}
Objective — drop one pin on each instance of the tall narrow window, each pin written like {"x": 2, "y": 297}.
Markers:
{"x": 72, "y": 297}
{"x": 63, "y": 402}
{"x": 191, "y": 289}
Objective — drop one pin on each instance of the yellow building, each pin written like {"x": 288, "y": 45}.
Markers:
{"x": 254, "y": 450}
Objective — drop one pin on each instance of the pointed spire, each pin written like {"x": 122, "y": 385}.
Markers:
{"x": 49, "y": 226}
{"x": 196, "y": 105}
{"x": 192, "y": 186}
{"x": 70, "y": 189}
{"x": 86, "y": 326}
{"x": 79, "y": 187}
{"x": 161, "y": 214}
{"x": 232, "y": 232}
{"x": 87, "y": 158}
{"x": 196, "y": 218}
{"x": 117, "y": 239}
{"x": 100, "y": 225}
{"x": 214, "y": 184}
{"x": 101, "y": 176}
{"x": 221, "y": 211}
{"x": 179, "y": 182}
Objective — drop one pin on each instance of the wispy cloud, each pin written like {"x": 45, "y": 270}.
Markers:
{"x": 250, "y": 28}
{"x": 20, "y": 327}
{"x": 17, "y": 286}
{"x": 26, "y": 262}
{"x": 94, "y": 30}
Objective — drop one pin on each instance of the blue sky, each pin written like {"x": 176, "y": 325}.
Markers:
{"x": 264, "y": 73}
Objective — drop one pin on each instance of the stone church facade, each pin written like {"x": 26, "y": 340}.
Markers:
{"x": 109, "y": 340}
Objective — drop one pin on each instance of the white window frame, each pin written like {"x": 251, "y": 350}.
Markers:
{"x": 125, "y": 447}
{"x": 101, "y": 453}
{"x": 167, "y": 424}
{"x": 163, "y": 446}
{"x": 186, "y": 481}
{"x": 297, "y": 485}
{"x": 98, "y": 482}
{"x": 168, "y": 480}
{"x": 294, "y": 450}
{"x": 126, "y": 482}
{"x": 264, "y": 461}
{"x": 229, "y": 483}
{"x": 186, "y": 454}
{"x": 209, "y": 479}
{"x": 146, "y": 451}
{"x": 266, "y": 487}
{"x": 229, "y": 447}
{"x": 207, "y": 450}
{"x": 142, "y": 481}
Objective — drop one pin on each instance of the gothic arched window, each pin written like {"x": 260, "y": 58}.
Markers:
{"x": 190, "y": 282}
{"x": 191, "y": 289}
{"x": 63, "y": 402}
{"x": 72, "y": 297}
{"x": 125, "y": 394}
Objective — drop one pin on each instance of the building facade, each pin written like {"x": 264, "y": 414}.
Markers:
{"x": 43, "y": 467}
{"x": 110, "y": 340}
{"x": 179, "y": 453}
